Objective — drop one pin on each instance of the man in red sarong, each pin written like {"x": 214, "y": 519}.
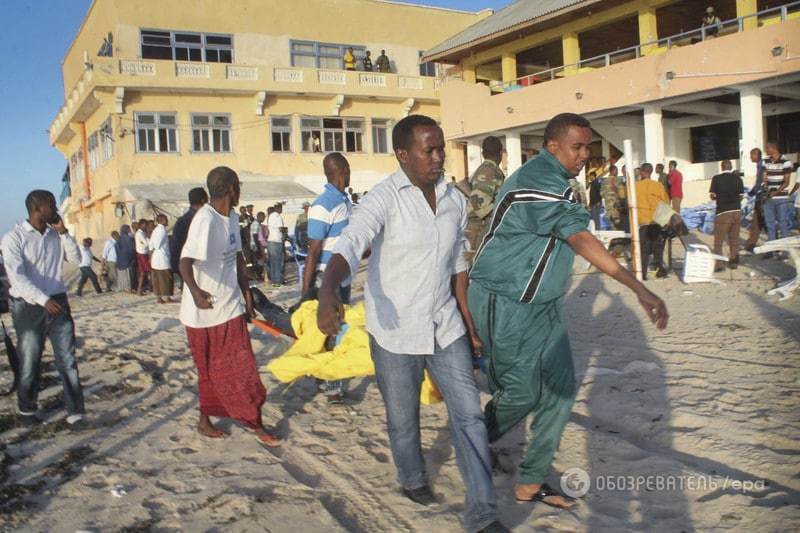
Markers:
{"x": 215, "y": 279}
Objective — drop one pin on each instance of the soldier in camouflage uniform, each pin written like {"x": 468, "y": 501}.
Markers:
{"x": 608, "y": 191}
{"x": 485, "y": 183}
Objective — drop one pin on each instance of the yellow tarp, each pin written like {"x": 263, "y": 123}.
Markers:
{"x": 350, "y": 359}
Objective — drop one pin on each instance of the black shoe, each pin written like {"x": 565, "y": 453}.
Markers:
{"x": 495, "y": 527}
{"x": 733, "y": 264}
{"x": 421, "y": 495}
{"x": 661, "y": 272}
{"x": 719, "y": 269}
{"x": 28, "y": 421}
{"x": 750, "y": 248}
{"x": 79, "y": 425}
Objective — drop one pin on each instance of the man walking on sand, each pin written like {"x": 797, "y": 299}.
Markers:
{"x": 214, "y": 282}
{"x": 34, "y": 252}
{"x": 515, "y": 296}
{"x": 109, "y": 261}
{"x": 142, "y": 256}
{"x": 417, "y": 315}
{"x": 159, "y": 261}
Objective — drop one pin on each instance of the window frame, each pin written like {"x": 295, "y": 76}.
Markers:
{"x": 425, "y": 68}
{"x": 156, "y": 126}
{"x": 317, "y": 54}
{"x": 383, "y": 124}
{"x": 331, "y": 137}
{"x": 203, "y": 45}
{"x": 213, "y": 143}
{"x": 106, "y": 133}
{"x": 286, "y": 142}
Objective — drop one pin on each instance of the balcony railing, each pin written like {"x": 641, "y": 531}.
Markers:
{"x": 736, "y": 25}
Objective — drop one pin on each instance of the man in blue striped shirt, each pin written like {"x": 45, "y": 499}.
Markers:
{"x": 327, "y": 217}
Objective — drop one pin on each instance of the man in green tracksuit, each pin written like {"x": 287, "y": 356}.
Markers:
{"x": 515, "y": 297}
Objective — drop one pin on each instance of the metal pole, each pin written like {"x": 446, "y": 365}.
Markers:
{"x": 633, "y": 212}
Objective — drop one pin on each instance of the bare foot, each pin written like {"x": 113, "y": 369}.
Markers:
{"x": 267, "y": 439}
{"x": 207, "y": 429}
{"x": 526, "y": 493}
{"x": 170, "y": 300}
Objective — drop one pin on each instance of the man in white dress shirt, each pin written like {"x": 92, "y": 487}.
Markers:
{"x": 417, "y": 313}
{"x": 34, "y": 252}
{"x": 161, "y": 275}
{"x": 142, "y": 256}
{"x": 109, "y": 258}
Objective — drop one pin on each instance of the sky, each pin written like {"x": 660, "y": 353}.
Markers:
{"x": 31, "y": 92}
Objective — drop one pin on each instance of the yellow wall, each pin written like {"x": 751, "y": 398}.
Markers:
{"x": 263, "y": 25}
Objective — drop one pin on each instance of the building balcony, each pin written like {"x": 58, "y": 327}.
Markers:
{"x": 761, "y": 55}
{"x": 116, "y": 75}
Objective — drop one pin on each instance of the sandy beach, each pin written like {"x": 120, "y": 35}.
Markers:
{"x": 695, "y": 428}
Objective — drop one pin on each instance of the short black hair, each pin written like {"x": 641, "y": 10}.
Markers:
{"x": 647, "y": 167}
{"x": 771, "y": 142}
{"x": 403, "y": 131}
{"x": 220, "y": 180}
{"x": 559, "y": 125}
{"x": 142, "y": 221}
{"x": 673, "y": 163}
{"x": 198, "y": 195}
{"x": 492, "y": 146}
{"x": 38, "y": 197}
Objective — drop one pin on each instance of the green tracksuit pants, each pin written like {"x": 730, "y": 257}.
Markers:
{"x": 530, "y": 371}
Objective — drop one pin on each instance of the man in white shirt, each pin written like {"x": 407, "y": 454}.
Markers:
{"x": 87, "y": 274}
{"x": 109, "y": 260}
{"x": 161, "y": 274}
{"x": 417, "y": 313}
{"x": 142, "y": 257}
{"x": 34, "y": 251}
{"x": 275, "y": 248}
{"x": 214, "y": 281}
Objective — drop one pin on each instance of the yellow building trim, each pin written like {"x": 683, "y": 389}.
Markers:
{"x": 747, "y": 7}
{"x": 572, "y": 52}
{"x": 469, "y": 74}
{"x": 509, "y": 65}
{"x": 648, "y": 29}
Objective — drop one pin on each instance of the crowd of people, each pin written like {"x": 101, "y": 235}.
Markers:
{"x": 485, "y": 283}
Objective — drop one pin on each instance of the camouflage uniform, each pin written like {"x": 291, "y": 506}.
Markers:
{"x": 485, "y": 182}
{"x": 611, "y": 201}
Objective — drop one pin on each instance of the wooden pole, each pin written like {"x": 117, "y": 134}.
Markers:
{"x": 633, "y": 211}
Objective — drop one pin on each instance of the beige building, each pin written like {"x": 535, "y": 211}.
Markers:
{"x": 157, "y": 93}
{"x": 646, "y": 70}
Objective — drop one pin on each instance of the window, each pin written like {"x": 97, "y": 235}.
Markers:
{"x": 156, "y": 132}
{"x": 380, "y": 136}
{"x": 353, "y": 135}
{"x": 322, "y": 55}
{"x": 186, "y": 46}
{"x": 211, "y": 133}
{"x": 311, "y": 134}
{"x": 281, "y": 134}
{"x": 715, "y": 142}
{"x": 76, "y": 170}
{"x": 106, "y": 141}
{"x": 427, "y": 69}
{"x": 94, "y": 151}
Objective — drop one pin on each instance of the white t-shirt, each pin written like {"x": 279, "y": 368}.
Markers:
{"x": 159, "y": 244}
{"x": 141, "y": 241}
{"x": 214, "y": 243}
{"x": 274, "y": 224}
{"x": 86, "y": 257}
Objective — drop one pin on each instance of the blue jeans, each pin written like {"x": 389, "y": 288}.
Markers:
{"x": 776, "y": 215}
{"x": 33, "y": 324}
{"x": 595, "y": 211}
{"x": 87, "y": 274}
{"x": 276, "y": 252}
{"x": 399, "y": 380}
{"x": 337, "y": 387}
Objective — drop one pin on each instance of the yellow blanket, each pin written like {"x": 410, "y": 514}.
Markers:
{"x": 350, "y": 359}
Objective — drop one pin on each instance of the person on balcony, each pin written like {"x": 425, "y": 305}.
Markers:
{"x": 382, "y": 63}
{"x": 711, "y": 22}
{"x": 349, "y": 59}
{"x": 367, "y": 61}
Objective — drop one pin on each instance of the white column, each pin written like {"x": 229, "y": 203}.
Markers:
{"x": 513, "y": 151}
{"x": 752, "y": 121}
{"x": 605, "y": 148}
{"x": 473, "y": 156}
{"x": 297, "y": 142}
{"x": 368, "y": 144}
{"x": 653, "y": 135}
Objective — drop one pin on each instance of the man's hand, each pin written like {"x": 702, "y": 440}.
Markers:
{"x": 477, "y": 344}
{"x": 654, "y": 306}
{"x": 330, "y": 313}
{"x": 249, "y": 307}
{"x": 59, "y": 226}
{"x": 53, "y": 308}
{"x": 202, "y": 299}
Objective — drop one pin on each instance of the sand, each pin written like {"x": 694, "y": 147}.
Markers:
{"x": 691, "y": 428}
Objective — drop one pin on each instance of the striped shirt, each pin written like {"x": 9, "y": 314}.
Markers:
{"x": 776, "y": 170}
{"x": 327, "y": 217}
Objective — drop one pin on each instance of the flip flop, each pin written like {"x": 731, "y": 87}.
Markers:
{"x": 268, "y": 441}
{"x": 546, "y": 491}
{"x": 216, "y": 434}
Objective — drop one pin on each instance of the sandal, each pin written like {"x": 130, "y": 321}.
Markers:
{"x": 546, "y": 491}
